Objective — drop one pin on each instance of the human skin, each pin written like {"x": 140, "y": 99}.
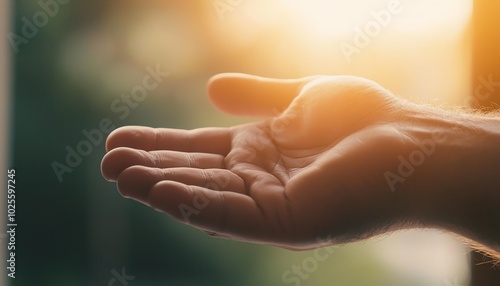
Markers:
{"x": 325, "y": 166}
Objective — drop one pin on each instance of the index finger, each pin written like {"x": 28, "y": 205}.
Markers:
{"x": 202, "y": 140}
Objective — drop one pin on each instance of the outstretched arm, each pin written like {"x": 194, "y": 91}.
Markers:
{"x": 337, "y": 157}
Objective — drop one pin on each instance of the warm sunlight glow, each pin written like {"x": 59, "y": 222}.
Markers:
{"x": 336, "y": 17}
{"x": 326, "y": 17}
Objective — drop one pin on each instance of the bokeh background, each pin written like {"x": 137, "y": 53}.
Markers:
{"x": 69, "y": 75}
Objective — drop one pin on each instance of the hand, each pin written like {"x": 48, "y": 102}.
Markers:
{"x": 328, "y": 166}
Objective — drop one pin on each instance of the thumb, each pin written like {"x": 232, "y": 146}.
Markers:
{"x": 248, "y": 95}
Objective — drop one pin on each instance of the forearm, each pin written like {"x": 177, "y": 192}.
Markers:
{"x": 468, "y": 200}
{"x": 480, "y": 218}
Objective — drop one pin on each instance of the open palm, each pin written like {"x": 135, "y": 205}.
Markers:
{"x": 313, "y": 171}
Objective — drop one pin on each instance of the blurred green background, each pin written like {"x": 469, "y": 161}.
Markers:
{"x": 70, "y": 72}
